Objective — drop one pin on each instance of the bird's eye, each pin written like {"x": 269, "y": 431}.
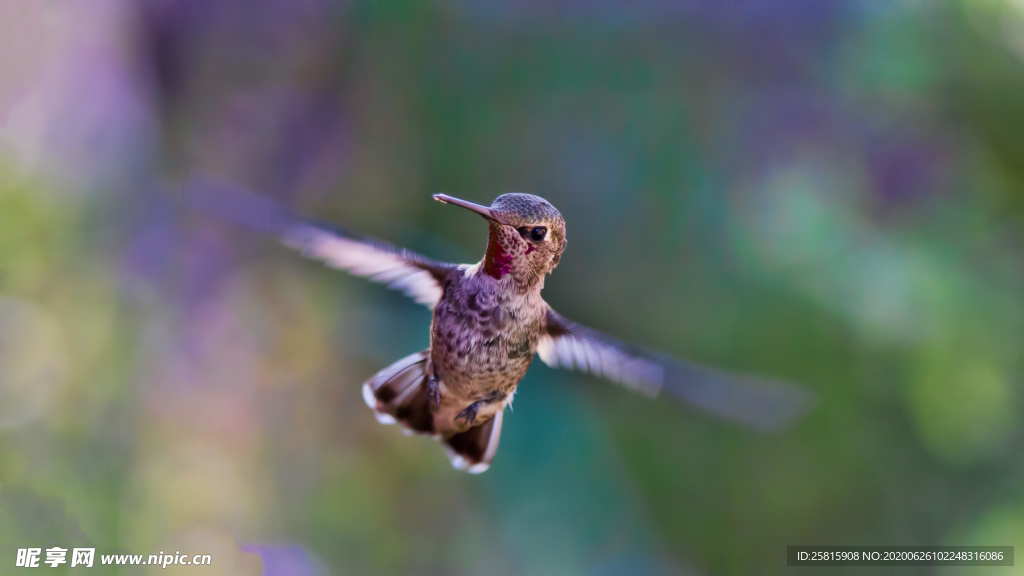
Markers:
{"x": 537, "y": 233}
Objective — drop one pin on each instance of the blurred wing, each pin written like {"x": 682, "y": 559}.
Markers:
{"x": 757, "y": 403}
{"x": 566, "y": 344}
{"x": 418, "y": 277}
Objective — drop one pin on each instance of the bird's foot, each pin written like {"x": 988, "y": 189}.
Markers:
{"x": 469, "y": 412}
{"x": 434, "y": 393}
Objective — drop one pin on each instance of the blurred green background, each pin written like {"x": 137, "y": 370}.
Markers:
{"x": 823, "y": 192}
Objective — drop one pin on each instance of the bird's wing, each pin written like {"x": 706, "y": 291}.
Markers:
{"x": 758, "y": 403}
{"x": 419, "y": 277}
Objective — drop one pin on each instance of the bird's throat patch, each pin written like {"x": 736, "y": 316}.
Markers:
{"x": 499, "y": 261}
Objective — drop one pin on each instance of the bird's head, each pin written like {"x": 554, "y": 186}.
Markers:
{"x": 527, "y": 236}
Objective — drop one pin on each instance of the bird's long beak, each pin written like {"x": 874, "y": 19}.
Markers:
{"x": 471, "y": 206}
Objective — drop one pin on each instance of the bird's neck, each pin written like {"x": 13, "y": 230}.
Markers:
{"x": 505, "y": 261}
{"x": 498, "y": 262}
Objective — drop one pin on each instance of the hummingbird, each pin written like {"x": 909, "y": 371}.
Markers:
{"x": 489, "y": 322}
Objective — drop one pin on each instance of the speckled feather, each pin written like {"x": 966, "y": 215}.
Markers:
{"x": 483, "y": 338}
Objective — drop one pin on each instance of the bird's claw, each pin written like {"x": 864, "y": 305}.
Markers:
{"x": 469, "y": 413}
{"x": 434, "y": 393}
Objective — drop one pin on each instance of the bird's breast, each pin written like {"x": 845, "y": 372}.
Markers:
{"x": 482, "y": 340}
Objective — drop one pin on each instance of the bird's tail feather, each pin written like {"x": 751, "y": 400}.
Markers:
{"x": 399, "y": 394}
{"x": 474, "y": 449}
